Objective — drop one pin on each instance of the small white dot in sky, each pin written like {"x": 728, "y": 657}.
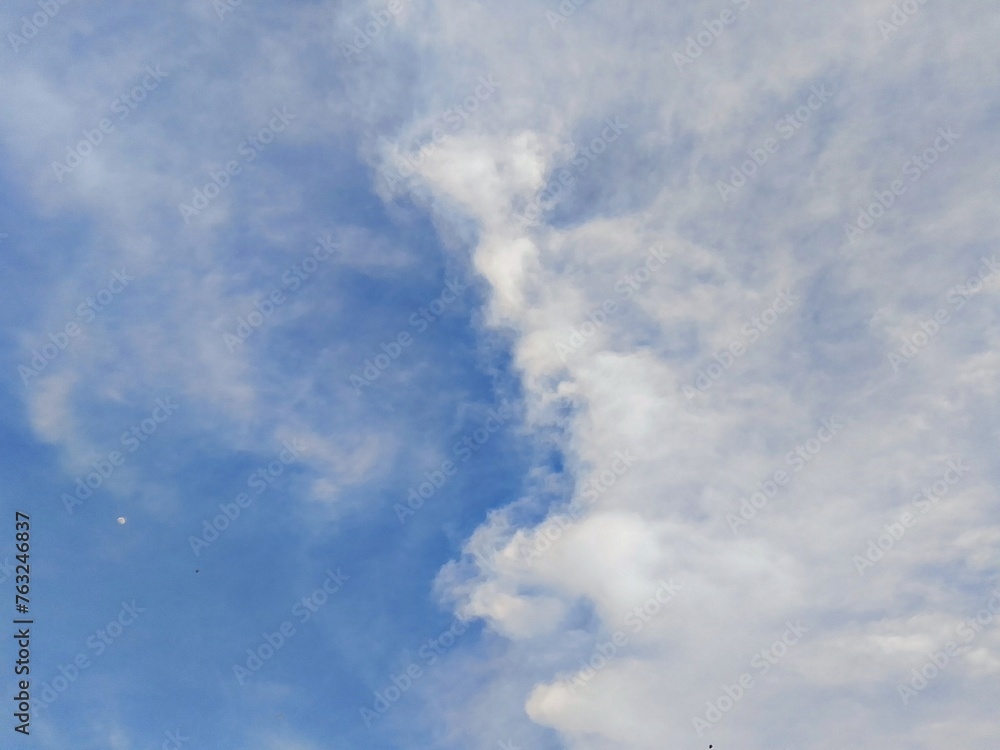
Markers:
{"x": 121, "y": 520}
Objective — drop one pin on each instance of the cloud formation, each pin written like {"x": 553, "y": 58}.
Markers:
{"x": 732, "y": 264}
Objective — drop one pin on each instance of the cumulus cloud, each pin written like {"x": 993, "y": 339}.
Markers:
{"x": 712, "y": 383}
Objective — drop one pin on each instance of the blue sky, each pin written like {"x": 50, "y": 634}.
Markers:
{"x": 674, "y": 323}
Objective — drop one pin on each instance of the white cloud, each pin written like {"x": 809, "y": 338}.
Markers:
{"x": 622, "y": 389}
{"x": 824, "y": 358}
